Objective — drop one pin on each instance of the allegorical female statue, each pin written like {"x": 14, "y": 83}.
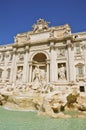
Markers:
{"x": 62, "y": 72}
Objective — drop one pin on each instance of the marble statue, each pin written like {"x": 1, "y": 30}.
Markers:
{"x": 19, "y": 74}
{"x": 36, "y": 78}
{"x": 41, "y": 25}
{"x": 36, "y": 74}
{"x": 61, "y": 72}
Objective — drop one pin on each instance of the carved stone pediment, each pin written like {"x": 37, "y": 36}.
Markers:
{"x": 41, "y": 25}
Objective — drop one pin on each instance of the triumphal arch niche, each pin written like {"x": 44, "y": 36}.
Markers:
{"x": 45, "y": 55}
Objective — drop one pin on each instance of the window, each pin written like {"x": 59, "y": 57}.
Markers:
{"x": 82, "y": 89}
{"x": 80, "y": 71}
{"x": 1, "y": 73}
{"x": 78, "y": 50}
{"x": 8, "y": 73}
{"x": 3, "y": 58}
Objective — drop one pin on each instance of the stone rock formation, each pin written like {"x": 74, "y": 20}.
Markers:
{"x": 45, "y": 100}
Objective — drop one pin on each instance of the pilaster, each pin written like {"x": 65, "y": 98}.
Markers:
{"x": 71, "y": 68}
{"x": 4, "y": 72}
{"x": 13, "y": 67}
{"x": 48, "y": 68}
{"x": 53, "y": 64}
{"x": 25, "y": 66}
{"x": 30, "y": 72}
{"x": 84, "y": 49}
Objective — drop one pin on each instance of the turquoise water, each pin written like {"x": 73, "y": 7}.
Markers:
{"x": 16, "y": 120}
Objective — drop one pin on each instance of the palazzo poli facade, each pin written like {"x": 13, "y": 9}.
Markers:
{"x": 48, "y": 54}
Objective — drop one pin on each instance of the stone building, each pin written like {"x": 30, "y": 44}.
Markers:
{"x": 49, "y": 54}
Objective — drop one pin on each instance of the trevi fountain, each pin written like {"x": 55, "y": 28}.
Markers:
{"x": 44, "y": 70}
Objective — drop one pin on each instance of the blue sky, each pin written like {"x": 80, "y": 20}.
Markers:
{"x": 18, "y": 16}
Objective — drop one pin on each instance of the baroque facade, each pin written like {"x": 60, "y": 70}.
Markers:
{"x": 46, "y": 54}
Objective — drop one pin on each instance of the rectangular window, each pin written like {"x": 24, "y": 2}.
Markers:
{"x": 78, "y": 50}
{"x": 0, "y": 73}
{"x": 82, "y": 89}
{"x": 3, "y": 58}
{"x": 8, "y": 73}
{"x": 80, "y": 71}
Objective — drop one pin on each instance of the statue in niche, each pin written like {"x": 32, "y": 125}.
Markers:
{"x": 62, "y": 72}
{"x": 36, "y": 78}
{"x": 36, "y": 74}
{"x": 19, "y": 74}
{"x": 39, "y": 74}
{"x": 39, "y": 77}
